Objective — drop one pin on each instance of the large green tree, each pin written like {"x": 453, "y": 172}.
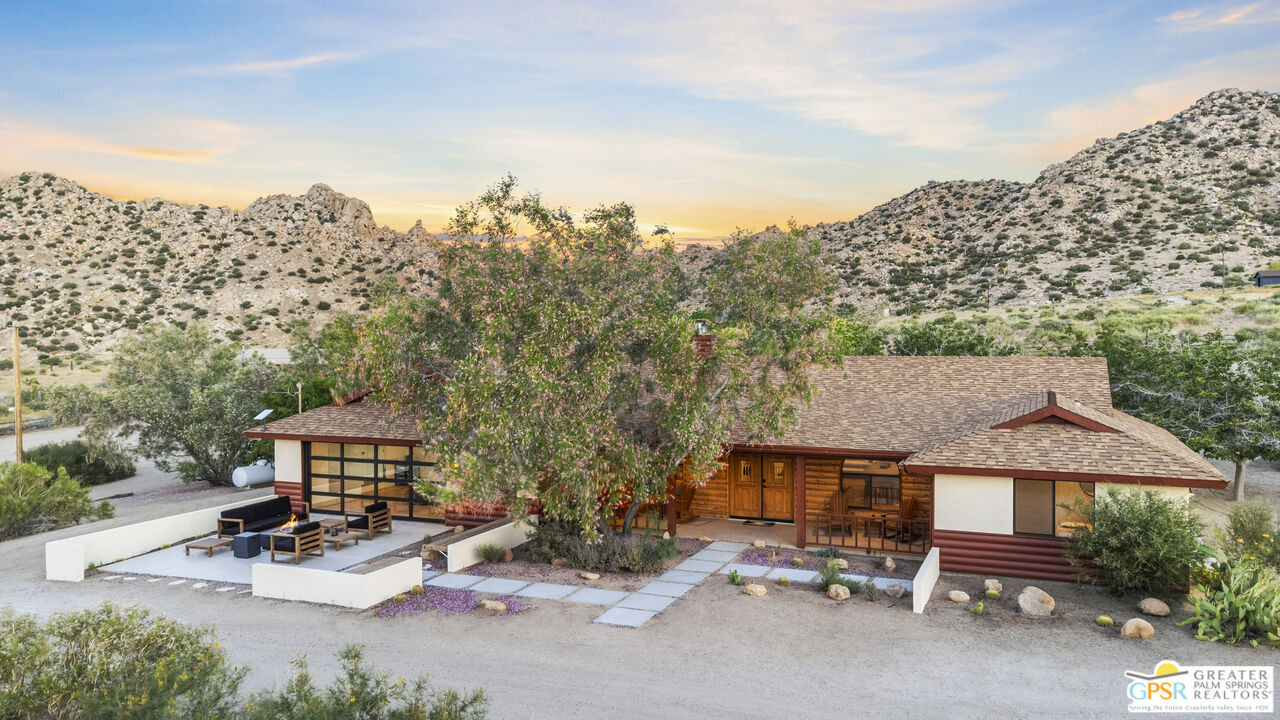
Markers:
{"x": 1218, "y": 395}
{"x": 556, "y": 360}
{"x": 946, "y": 335}
{"x": 178, "y": 396}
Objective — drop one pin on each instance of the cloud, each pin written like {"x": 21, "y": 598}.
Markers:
{"x": 1222, "y": 16}
{"x": 33, "y": 140}
{"x": 274, "y": 67}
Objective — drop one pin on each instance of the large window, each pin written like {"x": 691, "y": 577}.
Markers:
{"x": 348, "y": 476}
{"x": 1050, "y": 507}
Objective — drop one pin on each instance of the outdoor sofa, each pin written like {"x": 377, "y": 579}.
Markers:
{"x": 256, "y": 517}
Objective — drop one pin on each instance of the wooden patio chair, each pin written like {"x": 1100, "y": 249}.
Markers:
{"x": 304, "y": 539}
{"x": 376, "y": 518}
{"x": 909, "y": 510}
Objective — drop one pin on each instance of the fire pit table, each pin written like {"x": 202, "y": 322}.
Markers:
{"x": 245, "y": 545}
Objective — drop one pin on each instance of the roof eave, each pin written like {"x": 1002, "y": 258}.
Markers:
{"x": 1121, "y": 479}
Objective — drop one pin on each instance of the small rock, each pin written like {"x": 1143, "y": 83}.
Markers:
{"x": 755, "y": 590}
{"x": 1153, "y": 606}
{"x": 589, "y": 575}
{"x": 992, "y": 584}
{"x": 836, "y": 591}
{"x": 704, "y": 538}
{"x": 758, "y": 543}
{"x": 890, "y": 565}
{"x": 959, "y": 596}
{"x": 841, "y": 563}
{"x": 666, "y": 535}
{"x": 1035, "y": 602}
{"x": 508, "y": 556}
{"x": 1138, "y": 628}
{"x": 458, "y": 528}
{"x": 797, "y": 562}
{"x": 430, "y": 555}
{"x": 493, "y": 605}
{"x": 895, "y": 591}
{"x": 559, "y": 562}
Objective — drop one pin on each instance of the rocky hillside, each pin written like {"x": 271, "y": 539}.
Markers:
{"x": 1173, "y": 206}
{"x": 79, "y": 268}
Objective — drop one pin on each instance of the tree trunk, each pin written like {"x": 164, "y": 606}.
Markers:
{"x": 1239, "y": 489}
{"x": 629, "y": 519}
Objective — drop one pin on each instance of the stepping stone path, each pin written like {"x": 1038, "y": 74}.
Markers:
{"x": 637, "y": 608}
{"x": 178, "y": 582}
{"x": 501, "y": 586}
{"x": 200, "y": 585}
{"x": 454, "y": 581}
{"x": 546, "y": 591}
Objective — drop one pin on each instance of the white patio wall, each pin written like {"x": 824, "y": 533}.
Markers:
{"x": 353, "y": 590}
{"x": 465, "y": 553}
{"x": 926, "y": 577}
{"x": 67, "y": 559}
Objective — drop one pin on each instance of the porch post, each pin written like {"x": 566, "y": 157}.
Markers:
{"x": 799, "y": 509}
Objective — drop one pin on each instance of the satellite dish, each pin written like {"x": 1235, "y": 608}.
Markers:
{"x": 263, "y": 415}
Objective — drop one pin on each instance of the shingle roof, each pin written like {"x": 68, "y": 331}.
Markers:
{"x": 361, "y": 420}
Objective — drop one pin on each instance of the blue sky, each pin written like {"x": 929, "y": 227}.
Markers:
{"x": 706, "y": 115}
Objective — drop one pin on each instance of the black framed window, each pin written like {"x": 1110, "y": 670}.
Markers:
{"x": 348, "y": 476}
{"x": 1050, "y": 507}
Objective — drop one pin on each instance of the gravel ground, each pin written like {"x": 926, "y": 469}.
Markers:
{"x": 714, "y": 653}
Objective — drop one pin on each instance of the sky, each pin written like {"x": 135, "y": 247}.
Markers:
{"x": 707, "y": 116}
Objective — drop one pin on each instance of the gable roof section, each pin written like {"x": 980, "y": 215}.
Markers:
{"x": 356, "y": 420}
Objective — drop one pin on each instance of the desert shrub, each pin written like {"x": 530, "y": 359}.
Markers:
{"x": 830, "y": 575}
{"x": 1139, "y": 541}
{"x": 871, "y": 591}
{"x": 1251, "y": 535}
{"x": 492, "y": 553}
{"x": 638, "y": 552}
{"x": 33, "y": 499}
{"x": 74, "y": 456}
{"x": 1242, "y": 604}
{"x": 735, "y": 577}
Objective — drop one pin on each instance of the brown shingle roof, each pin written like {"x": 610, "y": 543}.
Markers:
{"x": 359, "y": 421}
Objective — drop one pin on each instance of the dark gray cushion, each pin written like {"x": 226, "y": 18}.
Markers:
{"x": 375, "y": 507}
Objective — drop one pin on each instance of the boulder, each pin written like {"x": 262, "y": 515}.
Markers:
{"x": 840, "y": 563}
{"x": 1153, "y": 606}
{"x": 508, "y": 556}
{"x": 755, "y": 590}
{"x": 890, "y": 565}
{"x": 758, "y": 543}
{"x": 559, "y": 562}
{"x": 1035, "y": 602}
{"x": 430, "y": 555}
{"x": 493, "y": 605}
{"x": 1138, "y": 628}
{"x": 589, "y": 575}
{"x": 836, "y": 591}
{"x": 895, "y": 591}
{"x": 704, "y": 538}
{"x": 959, "y": 596}
{"x": 992, "y": 584}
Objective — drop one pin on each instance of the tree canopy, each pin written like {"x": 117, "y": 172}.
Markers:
{"x": 556, "y": 361}
{"x": 178, "y": 396}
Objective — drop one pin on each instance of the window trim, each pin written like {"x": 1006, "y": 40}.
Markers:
{"x": 1053, "y": 506}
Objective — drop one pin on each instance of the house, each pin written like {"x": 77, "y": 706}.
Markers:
{"x": 988, "y": 459}
{"x": 1266, "y": 278}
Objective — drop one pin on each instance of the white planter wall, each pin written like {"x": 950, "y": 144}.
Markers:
{"x": 295, "y": 582}
{"x": 926, "y": 577}
{"x": 67, "y": 559}
{"x": 465, "y": 553}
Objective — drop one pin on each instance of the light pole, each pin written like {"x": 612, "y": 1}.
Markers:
{"x": 299, "y": 397}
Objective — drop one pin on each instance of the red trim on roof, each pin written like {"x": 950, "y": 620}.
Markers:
{"x": 808, "y": 450}
{"x": 1054, "y": 411}
{"x": 331, "y": 438}
{"x": 1074, "y": 476}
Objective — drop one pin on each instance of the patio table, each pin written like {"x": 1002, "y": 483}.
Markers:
{"x": 208, "y": 545}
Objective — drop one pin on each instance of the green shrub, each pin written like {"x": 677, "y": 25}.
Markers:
{"x": 1140, "y": 541}
{"x": 74, "y": 456}
{"x": 1251, "y": 534}
{"x": 977, "y": 608}
{"x": 638, "y": 553}
{"x": 492, "y": 553}
{"x": 735, "y": 577}
{"x": 830, "y": 575}
{"x": 33, "y": 499}
{"x": 1244, "y": 604}
{"x": 870, "y": 591}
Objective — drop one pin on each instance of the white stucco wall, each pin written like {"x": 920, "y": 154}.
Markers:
{"x": 465, "y": 553}
{"x": 925, "y": 580}
{"x": 289, "y": 461}
{"x": 971, "y": 503}
{"x": 291, "y": 582}
{"x": 1173, "y": 492}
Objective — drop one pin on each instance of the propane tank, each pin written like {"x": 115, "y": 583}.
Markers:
{"x": 261, "y": 472}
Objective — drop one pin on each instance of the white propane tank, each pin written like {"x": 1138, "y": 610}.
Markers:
{"x": 260, "y": 472}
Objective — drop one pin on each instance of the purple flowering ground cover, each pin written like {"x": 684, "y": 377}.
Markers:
{"x": 448, "y": 601}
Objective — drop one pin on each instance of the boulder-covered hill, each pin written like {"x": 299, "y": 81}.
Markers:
{"x": 79, "y": 268}
{"x": 1161, "y": 209}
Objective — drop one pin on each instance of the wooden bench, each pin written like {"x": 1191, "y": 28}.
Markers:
{"x": 438, "y": 546}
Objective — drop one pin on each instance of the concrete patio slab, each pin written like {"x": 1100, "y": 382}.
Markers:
{"x": 746, "y": 570}
{"x": 624, "y": 617}
{"x": 725, "y": 546}
{"x": 596, "y": 596}
{"x": 454, "y": 581}
{"x": 641, "y": 601}
{"x": 428, "y": 574}
{"x": 699, "y": 566}
{"x": 723, "y": 556}
{"x": 546, "y": 591}
{"x": 501, "y": 586}
{"x": 669, "y": 589}
{"x": 683, "y": 576}
{"x": 799, "y": 575}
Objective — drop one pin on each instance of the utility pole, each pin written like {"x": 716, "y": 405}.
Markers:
{"x": 17, "y": 395}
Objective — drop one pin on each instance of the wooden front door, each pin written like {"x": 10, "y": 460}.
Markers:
{"x": 778, "y": 499}
{"x": 744, "y": 485}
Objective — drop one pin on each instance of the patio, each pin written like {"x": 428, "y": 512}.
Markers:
{"x": 225, "y": 567}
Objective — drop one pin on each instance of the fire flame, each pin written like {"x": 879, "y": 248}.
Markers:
{"x": 293, "y": 520}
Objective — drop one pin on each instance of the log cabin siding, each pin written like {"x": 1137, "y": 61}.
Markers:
{"x": 821, "y": 483}
{"x": 919, "y": 487}
{"x": 712, "y": 499}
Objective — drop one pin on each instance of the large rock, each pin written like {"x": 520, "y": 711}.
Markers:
{"x": 992, "y": 584}
{"x": 704, "y": 538}
{"x": 1138, "y": 628}
{"x": 758, "y": 543}
{"x": 755, "y": 590}
{"x": 493, "y": 605}
{"x": 589, "y": 575}
{"x": 840, "y": 563}
{"x": 959, "y": 596}
{"x": 1153, "y": 606}
{"x": 890, "y": 565}
{"x": 836, "y": 591}
{"x": 895, "y": 591}
{"x": 1035, "y": 602}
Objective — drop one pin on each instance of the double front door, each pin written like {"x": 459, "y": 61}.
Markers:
{"x": 760, "y": 487}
